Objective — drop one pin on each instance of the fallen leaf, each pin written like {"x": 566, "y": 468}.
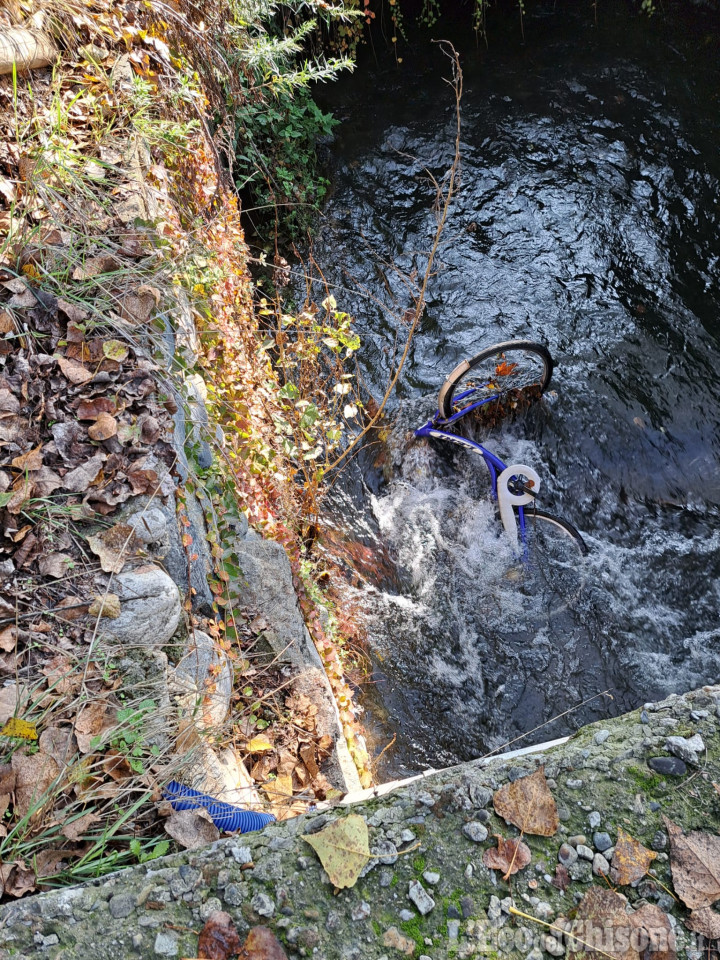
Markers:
{"x": 90, "y": 723}
{"x": 94, "y": 266}
{"x": 7, "y": 778}
{"x": 104, "y": 427}
{"x": 75, "y": 829}
{"x": 79, "y": 479}
{"x": 561, "y": 880}
{"x": 343, "y": 849}
{"x": 262, "y": 944}
{"x": 218, "y": 939}
{"x": 8, "y": 638}
{"x": 137, "y": 309}
{"x": 72, "y": 311}
{"x": 604, "y": 929}
{"x": 528, "y": 804}
{"x": 706, "y": 922}
{"x": 74, "y": 372}
{"x": 143, "y": 481}
{"x": 6, "y": 323}
{"x": 9, "y": 403}
{"x": 115, "y": 350}
{"x": 55, "y": 565}
{"x": 192, "y": 828}
{"x": 631, "y": 860}
{"x": 32, "y": 460}
{"x": 259, "y": 744}
{"x": 114, "y": 546}
{"x": 16, "y": 879}
{"x": 695, "y": 863}
{"x": 45, "y": 482}
{"x": 116, "y": 765}
{"x": 34, "y": 778}
{"x": 508, "y": 856}
{"x": 23, "y": 729}
{"x": 107, "y": 605}
{"x": 91, "y": 409}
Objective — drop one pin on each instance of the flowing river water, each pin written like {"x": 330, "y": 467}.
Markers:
{"x": 588, "y": 217}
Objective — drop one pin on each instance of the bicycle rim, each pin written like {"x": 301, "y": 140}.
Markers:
{"x": 499, "y": 381}
{"x": 554, "y": 570}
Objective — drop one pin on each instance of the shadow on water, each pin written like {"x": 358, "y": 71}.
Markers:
{"x": 587, "y": 217}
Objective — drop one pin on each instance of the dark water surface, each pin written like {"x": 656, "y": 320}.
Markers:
{"x": 587, "y": 217}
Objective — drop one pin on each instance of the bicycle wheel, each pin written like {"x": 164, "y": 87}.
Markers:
{"x": 500, "y": 380}
{"x": 553, "y": 570}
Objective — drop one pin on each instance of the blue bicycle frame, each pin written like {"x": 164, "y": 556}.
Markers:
{"x": 494, "y": 464}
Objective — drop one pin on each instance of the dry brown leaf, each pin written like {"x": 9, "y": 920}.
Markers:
{"x": 45, "y": 482}
{"x": 262, "y": 944}
{"x": 90, "y": 723}
{"x": 114, "y": 546}
{"x": 602, "y": 921}
{"x": 508, "y": 856}
{"x": 91, "y": 409}
{"x": 94, "y": 266}
{"x": 6, "y": 323}
{"x": 695, "y": 863}
{"x": 528, "y": 804}
{"x": 218, "y": 939}
{"x": 32, "y": 460}
{"x": 7, "y": 778}
{"x": 143, "y": 481}
{"x": 75, "y": 829}
{"x": 706, "y": 922}
{"x": 192, "y": 828}
{"x": 73, "y": 371}
{"x": 9, "y": 404}
{"x": 137, "y": 309}
{"x": 16, "y": 879}
{"x": 631, "y": 860}
{"x": 104, "y": 427}
{"x": 116, "y": 765}
{"x": 72, "y": 311}
{"x": 8, "y": 638}
{"x": 60, "y": 742}
{"x": 55, "y": 565}
{"x": 79, "y": 479}
{"x": 107, "y": 605}
{"x": 34, "y": 777}
{"x": 561, "y": 880}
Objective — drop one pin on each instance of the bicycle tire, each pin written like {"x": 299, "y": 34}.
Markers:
{"x": 559, "y": 522}
{"x": 498, "y": 398}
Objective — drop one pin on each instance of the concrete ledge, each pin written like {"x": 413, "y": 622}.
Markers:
{"x": 600, "y": 779}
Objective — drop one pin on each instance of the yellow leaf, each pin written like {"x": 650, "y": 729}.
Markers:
{"x": 105, "y": 606}
{"x": 115, "y": 350}
{"x": 343, "y": 849}
{"x": 259, "y": 744}
{"x": 19, "y": 728}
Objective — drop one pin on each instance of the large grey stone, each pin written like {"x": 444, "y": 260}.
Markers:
{"x": 149, "y": 608}
{"x": 267, "y": 586}
{"x": 204, "y": 676}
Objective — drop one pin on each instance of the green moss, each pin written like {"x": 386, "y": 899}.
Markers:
{"x": 376, "y": 927}
{"x": 412, "y": 929}
{"x": 395, "y": 880}
{"x": 419, "y": 865}
{"x": 649, "y": 782}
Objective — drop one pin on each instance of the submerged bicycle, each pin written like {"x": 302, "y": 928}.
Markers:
{"x": 499, "y": 381}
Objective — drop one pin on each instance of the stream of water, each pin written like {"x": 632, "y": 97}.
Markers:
{"x": 587, "y": 217}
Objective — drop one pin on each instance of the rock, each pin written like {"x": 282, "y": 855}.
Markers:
{"x": 687, "y": 750}
{"x": 659, "y": 841}
{"x": 602, "y": 841}
{"x": 552, "y": 946}
{"x": 396, "y": 941}
{"x": 420, "y": 897}
{"x": 406, "y": 915}
{"x": 467, "y": 907}
{"x": 121, "y": 905}
{"x": 361, "y": 911}
{"x": 150, "y": 525}
{"x": 535, "y": 954}
{"x": 479, "y": 795}
{"x": 475, "y": 831}
{"x": 263, "y": 905}
{"x": 150, "y": 608}
{"x": 567, "y": 855}
{"x": 581, "y": 871}
{"x": 668, "y": 766}
{"x": 600, "y": 737}
{"x": 574, "y": 784}
{"x": 205, "y": 675}
{"x": 594, "y": 820}
{"x": 644, "y": 718}
{"x": 453, "y": 912}
{"x": 431, "y": 878}
{"x": 600, "y": 866}
{"x": 453, "y": 929}
{"x": 166, "y": 944}
{"x": 584, "y": 852}
{"x": 577, "y": 840}
{"x": 544, "y": 910}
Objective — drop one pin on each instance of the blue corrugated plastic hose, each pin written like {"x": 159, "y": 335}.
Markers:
{"x": 225, "y": 816}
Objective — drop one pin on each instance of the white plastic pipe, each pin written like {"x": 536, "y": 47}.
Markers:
{"x": 508, "y": 501}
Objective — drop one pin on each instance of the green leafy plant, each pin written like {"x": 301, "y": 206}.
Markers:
{"x": 129, "y": 738}
{"x": 143, "y": 853}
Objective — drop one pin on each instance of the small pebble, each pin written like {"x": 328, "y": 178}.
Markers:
{"x": 594, "y": 820}
{"x": 658, "y": 842}
{"x": 574, "y": 784}
{"x": 601, "y": 736}
{"x": 407, "y": 836}
{"x": 600, "y": 866}
{"x": 602, "y": 841}
{"x": 360, "y": 911}
{"x": 475, "y": 831}
{"x": 608, "y": 854}
{"x": 166, "y": 945}
{"x": 406, "y": 915}
{"x": 668, "y": 766}
{"x": 535, "y": 954}
{"x": 580, "y": 871}
{"x": 453, "y": 929}
{"x": 431, "y": 878}
{"x": 467, "y": 907}
{"x": 644, "y": 718}
{"x": 420, "y": 897}
{"x": 654, "y": 806}
{"x": 262, "y": 905}
{"x": 578, "y": 839}
{"x": 453, "y": 912}
{"x": 552, "y": 946}
{"x": 584, "y": 852}
{"x": 567, "y": 855}
{"x": 469, "y": 871}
